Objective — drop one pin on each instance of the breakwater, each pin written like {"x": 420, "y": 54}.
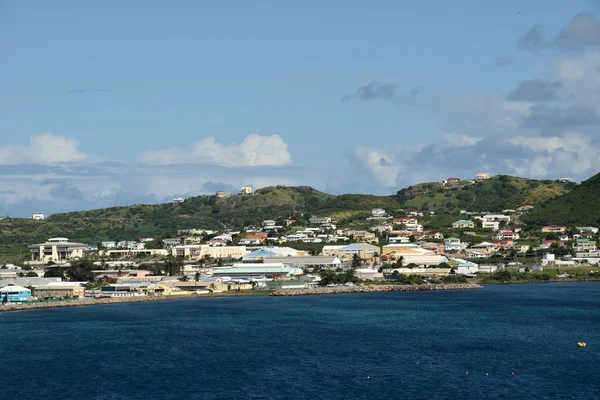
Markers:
{"x": 375, "y": 289}
{"x": 118, "y": 300}
{"x": 87, "y": 302}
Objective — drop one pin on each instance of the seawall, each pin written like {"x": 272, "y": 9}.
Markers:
{"x": 375, "y": 289}
{"x": 118, "y": 300}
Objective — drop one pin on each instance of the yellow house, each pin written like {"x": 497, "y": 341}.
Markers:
{"x": 165, "y": 289}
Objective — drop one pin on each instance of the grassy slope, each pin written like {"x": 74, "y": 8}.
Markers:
{"x": 119, "y": 223}
{"x": 133, "y": 222}
{"x": 495, "y": 194}
{"x": 581, "y": 206}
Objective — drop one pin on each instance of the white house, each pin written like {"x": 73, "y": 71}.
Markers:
{"x": 37, "y": 216}
{"x": 56, "y": 249}
{"x": 463, "y": 223}
{"x": 493, "y": 225}
{"x": 378, "y": 212}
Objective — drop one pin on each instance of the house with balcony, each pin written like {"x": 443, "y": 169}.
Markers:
{"x": 452, "y": 244}
{"x": 378, "y": 212}
{"x": 507, "y": 234}
{"x": 56, "y": 249}
{"x": 463, "y": 223}
{"x": 554, "y": 229}
{"x": 414, "y": 213}
{"x": 584, "y": 245}
{"x": 320, "y": 220}
{"x": 14, "y": 294}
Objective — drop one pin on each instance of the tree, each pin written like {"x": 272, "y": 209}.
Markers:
{"x": 355, "y": 261}
{"x": 81, "y": 270}
{"x": 184, "y": 278}
{"x": 31, "y": 274}
{"x": 173, "y": 266}
{"x": 329, "y": 277}
{"x": 54, "y": 272}
{"x": 400, "y": 262}
{"x": 412, "y": 265}
{"x": 220, "y": 262}
{"x": 197, "y": 276}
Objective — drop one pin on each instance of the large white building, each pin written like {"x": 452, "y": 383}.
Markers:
{"x": 203, "y": 250}
{"x": 56, "y": 249}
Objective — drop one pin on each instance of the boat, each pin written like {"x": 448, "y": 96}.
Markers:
{"x": 581, "y": 344}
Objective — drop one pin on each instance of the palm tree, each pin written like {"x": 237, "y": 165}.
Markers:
{"x": 197, "y": 276}
{"x": 400, "y": 262}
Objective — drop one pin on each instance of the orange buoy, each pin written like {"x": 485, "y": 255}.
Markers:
{"x": 467, "y": 373}
{"x": 486, "y": 374}
{"x": 513, "y": 372}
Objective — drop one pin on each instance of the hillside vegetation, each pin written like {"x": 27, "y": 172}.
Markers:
{"x": 280, "y": 202}
{"x": 581, "y": 207}
{"x": 495, "y": 194}
{"x": 209, "y": 212}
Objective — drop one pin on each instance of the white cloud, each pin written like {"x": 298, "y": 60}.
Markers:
{"x": 459, "y": 140}
{"x": 255, "y": 150}
{"x": 43, "y": 149}
{"x": 581, "y": 77}
{"x": 381, "y": 165}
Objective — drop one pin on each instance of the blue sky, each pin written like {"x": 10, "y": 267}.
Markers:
{"x": 113, "y": 102}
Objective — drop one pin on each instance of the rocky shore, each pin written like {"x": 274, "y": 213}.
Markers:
{"x": 118, "y": 300}
{"x": 375, "y": 289}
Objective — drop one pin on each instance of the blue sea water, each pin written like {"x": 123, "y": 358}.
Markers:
{"x": 355, "y": 346}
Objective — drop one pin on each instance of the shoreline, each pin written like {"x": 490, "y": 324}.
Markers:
{"x": 121, "y": 300}
{"x": 375, "y": 289}
{"x": 275, "y": 293}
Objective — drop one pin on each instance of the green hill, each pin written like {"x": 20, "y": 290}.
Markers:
{"x": 581, "y": 207}
{"x": 495, "y": 194}
{"x": 209, "y": 212}
{"x": 279, "y": 202}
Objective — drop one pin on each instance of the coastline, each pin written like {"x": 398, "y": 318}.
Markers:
{"x": 277, "y": 293}
{"x": 375, "y": 289}
{"x": 120, "y": 300}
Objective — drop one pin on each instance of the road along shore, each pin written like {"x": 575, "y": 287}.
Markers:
{"x": 375, "y": 289}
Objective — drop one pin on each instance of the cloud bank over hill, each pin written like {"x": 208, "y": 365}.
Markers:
{"x": 543, "y": 128}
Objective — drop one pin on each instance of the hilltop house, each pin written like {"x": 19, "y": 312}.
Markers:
{"x": 524, "y": 210}
{"x": 401, "y": 221}
{"x": 320, "y": 220}
{"x": 378, "y": 212}
{"x": 413, "y": 228}
{"x": 414, "y": 213}
{"x": 554, "y": 229}
{"x": 584, "y": 245}
{"x": 37, "y": 216}
{"x": 507, "y": 234}
{"x": 482, "y": 176}
{"x": 451, "y": 181}
{"x": 463, "y": 224}
{"x": 452, "y": 244}
{"x": 365, "y": 236}
{"x": 432, "y": 235}
{"x": 253, "y": 239}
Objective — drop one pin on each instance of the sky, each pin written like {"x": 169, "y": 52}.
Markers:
{"x": 122, "y": 102}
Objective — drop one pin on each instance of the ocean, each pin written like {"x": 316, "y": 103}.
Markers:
{"x": 515, "y": 342}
